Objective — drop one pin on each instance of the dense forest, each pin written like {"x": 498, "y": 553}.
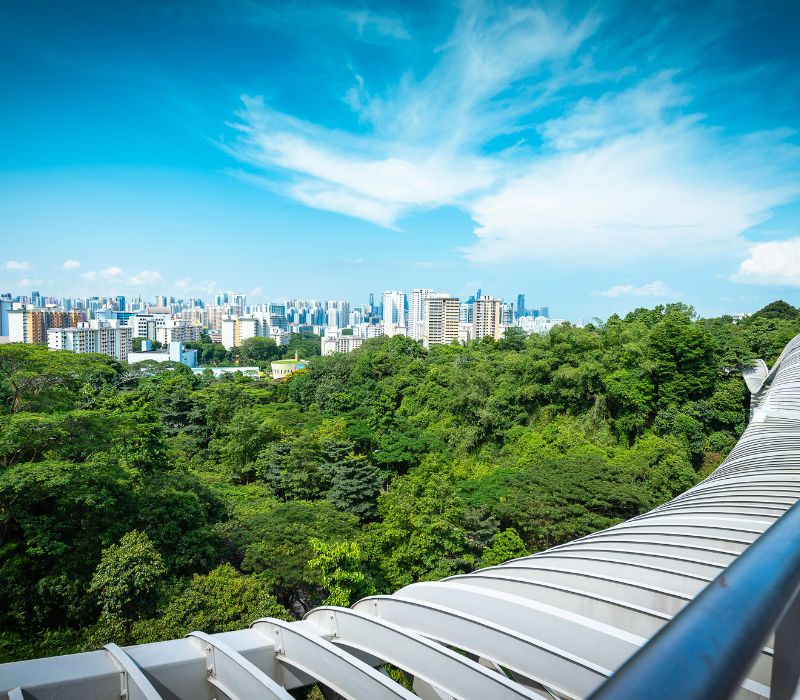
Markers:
{"x": 141, "y": 502}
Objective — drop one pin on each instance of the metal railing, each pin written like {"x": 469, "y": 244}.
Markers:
{"x": 706, "y": 650}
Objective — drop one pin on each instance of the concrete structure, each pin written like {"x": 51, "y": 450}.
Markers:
{"x": 29, "y": 325}
{"x": 174, "y": 353}
{"x": 394, "y": 313}
{"x": 5, "y": 307}
{"x": 104, "y": 337}
{"x": 538, "y": 324}
{"x": 178, "y": 330}
{"x": 235, "y": 330}
{"x": 487, "y": 320}
{"x": 337, "y": 314}
{"x": 417, "y": 312}
{"x": 441, "y": 319}
{"x": 281, "y": 369}
{"x": 147, "y": 325}
{"x": 556, "y": 624}
{"x": 336, "y": 342}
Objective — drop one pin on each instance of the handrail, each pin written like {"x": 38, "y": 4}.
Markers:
{"x": 706, "y": 650}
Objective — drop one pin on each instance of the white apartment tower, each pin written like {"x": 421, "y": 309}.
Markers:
{"x": 441, "y": 319}
{"x": 394, "y": 313}
{"x": 416, "y": 313}
{"x": 104, "y": 337}
{"x": 487, "y": 319}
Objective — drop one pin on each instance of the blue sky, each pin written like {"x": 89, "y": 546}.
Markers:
{"x": 595, "y": 157}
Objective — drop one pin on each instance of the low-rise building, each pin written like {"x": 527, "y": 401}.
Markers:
{"x": 175, "y": 353}
{"x": 283, "y": 368}
{"x": 336, "y": 342}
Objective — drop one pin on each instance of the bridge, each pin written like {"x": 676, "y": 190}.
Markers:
{"x": 697, "y": 598}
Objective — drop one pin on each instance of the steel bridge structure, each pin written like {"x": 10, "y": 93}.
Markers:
{"x": 689, "y": 600}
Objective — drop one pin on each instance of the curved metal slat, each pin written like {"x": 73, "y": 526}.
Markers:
{"x": 135, "y": 685}
{"x": 233, "y": 674}
{"x": 436, "y": 664}
{"x": 305, "y": 650}
{"x": 524, "y": 655}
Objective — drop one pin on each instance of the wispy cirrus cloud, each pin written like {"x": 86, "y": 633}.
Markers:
{"x": 415, "y": 155}
{"x": 553, "y": 150}
{"x": 369, "y": 23}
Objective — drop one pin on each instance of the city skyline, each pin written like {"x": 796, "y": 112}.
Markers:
{"x": 606, "y": 158}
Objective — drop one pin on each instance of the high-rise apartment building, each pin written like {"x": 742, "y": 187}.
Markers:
{"x": 177, "y": 330}
{"x": 394, "y": 313}
{"x": 442, "y": 314}
{"x": 236, "y": 330}
{"x": 215, "y": 315}
{"x": 416, "y": 313}
{"x": 146, "y": 325}
{"x": 31, "y": 325}
{"x": 506, "y": 314}
{"x": 104, "y": 337}
{"x": 487, "y": 319}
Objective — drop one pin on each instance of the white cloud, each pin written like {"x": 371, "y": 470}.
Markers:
{"x": 772, "y": 263}
{"x": 118, "y": 276}
{"x": 71, "y": 264}
{"x": 637, "y": 195}
{"x": 655, "y": 289}
{"x": 29, "y": 282}
{"x": 15, "y": 265}
{"x": 421, "y": 152}
{"x": 633, "y": 172}
{"x": 106, "y": 274}
{"x": 145, "y": 277}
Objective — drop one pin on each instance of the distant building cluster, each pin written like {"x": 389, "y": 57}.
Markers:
{"x": 108, "y": 325}
{"x": 434, "y": 318}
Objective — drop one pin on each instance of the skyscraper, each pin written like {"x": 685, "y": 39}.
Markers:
{"x": 394, "y": 313}
{"x": 487, "y": 319}
{"x": 416, "y": 313}
{"x": 520, "y": 305}
{"x": 441, "y": 319}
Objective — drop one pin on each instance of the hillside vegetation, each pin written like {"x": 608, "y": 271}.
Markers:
{"x": 139, "y": 503}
